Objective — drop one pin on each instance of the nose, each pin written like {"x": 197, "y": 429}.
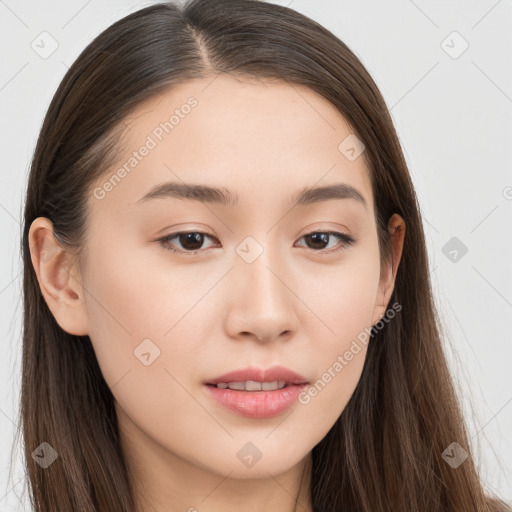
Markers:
{"x": 261, "y": 303}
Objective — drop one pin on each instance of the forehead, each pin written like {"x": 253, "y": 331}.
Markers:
{"x": 261, "y": 139}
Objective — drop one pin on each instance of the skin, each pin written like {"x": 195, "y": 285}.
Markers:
{"x": 213, "y": 312}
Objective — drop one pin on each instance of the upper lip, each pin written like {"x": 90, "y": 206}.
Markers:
{"x": 261, "y": 375}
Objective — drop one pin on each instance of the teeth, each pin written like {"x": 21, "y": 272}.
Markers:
{"x": 252, "y": 385}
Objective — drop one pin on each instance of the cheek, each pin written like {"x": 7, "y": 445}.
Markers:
{"x": 326, "y": 398}
{"x": 131, "y": 308}
{"x": 341, "y": 296}
{"x": 146, "y": 318}
{"x": 131, "y": 304}
{"x": 342, "y": 299}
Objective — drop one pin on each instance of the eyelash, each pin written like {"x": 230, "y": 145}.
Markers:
{"x": 347, "y": 241}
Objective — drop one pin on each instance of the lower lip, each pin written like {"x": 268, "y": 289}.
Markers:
{"x": 256, "y": 404}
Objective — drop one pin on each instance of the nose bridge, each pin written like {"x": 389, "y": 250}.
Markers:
{"x": 263, "y": 305}
{"x": 259, "y": 264}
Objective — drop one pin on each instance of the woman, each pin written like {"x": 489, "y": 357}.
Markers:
{"x": 226, "y": 285}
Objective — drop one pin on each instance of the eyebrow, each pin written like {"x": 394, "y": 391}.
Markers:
{"x": 225, "y": 197}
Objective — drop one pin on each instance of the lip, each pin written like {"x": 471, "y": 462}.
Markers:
{"x": 257, "y": 404}
{"x": 261, "y": 375}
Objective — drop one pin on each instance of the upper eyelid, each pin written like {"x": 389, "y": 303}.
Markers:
{"x": 184, "y": 232}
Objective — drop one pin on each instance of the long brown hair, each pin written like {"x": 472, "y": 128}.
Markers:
{"x": 384, "y": 453}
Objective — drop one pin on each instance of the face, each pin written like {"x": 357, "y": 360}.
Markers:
{"x": 258, "y": 281}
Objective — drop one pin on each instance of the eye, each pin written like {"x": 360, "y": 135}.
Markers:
{"x": 322, "y": 237}
{"x": 192, "y": 241}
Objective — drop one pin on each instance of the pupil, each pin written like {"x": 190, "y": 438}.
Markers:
{"x": 196, "y": 238}
{"x": 322, "y": 238}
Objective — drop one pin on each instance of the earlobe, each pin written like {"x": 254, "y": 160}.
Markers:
{"x": 59, "y": 285}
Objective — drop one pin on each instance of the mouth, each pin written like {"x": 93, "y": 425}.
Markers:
{"x": 254, "y": 399}
{"x": 256, "y": 393}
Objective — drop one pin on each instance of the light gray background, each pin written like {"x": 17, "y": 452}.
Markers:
{"x": 453, "y": 116}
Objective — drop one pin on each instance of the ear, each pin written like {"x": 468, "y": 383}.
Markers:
{"x": 396, "y": 228}
{"x": 59, "y": 282}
